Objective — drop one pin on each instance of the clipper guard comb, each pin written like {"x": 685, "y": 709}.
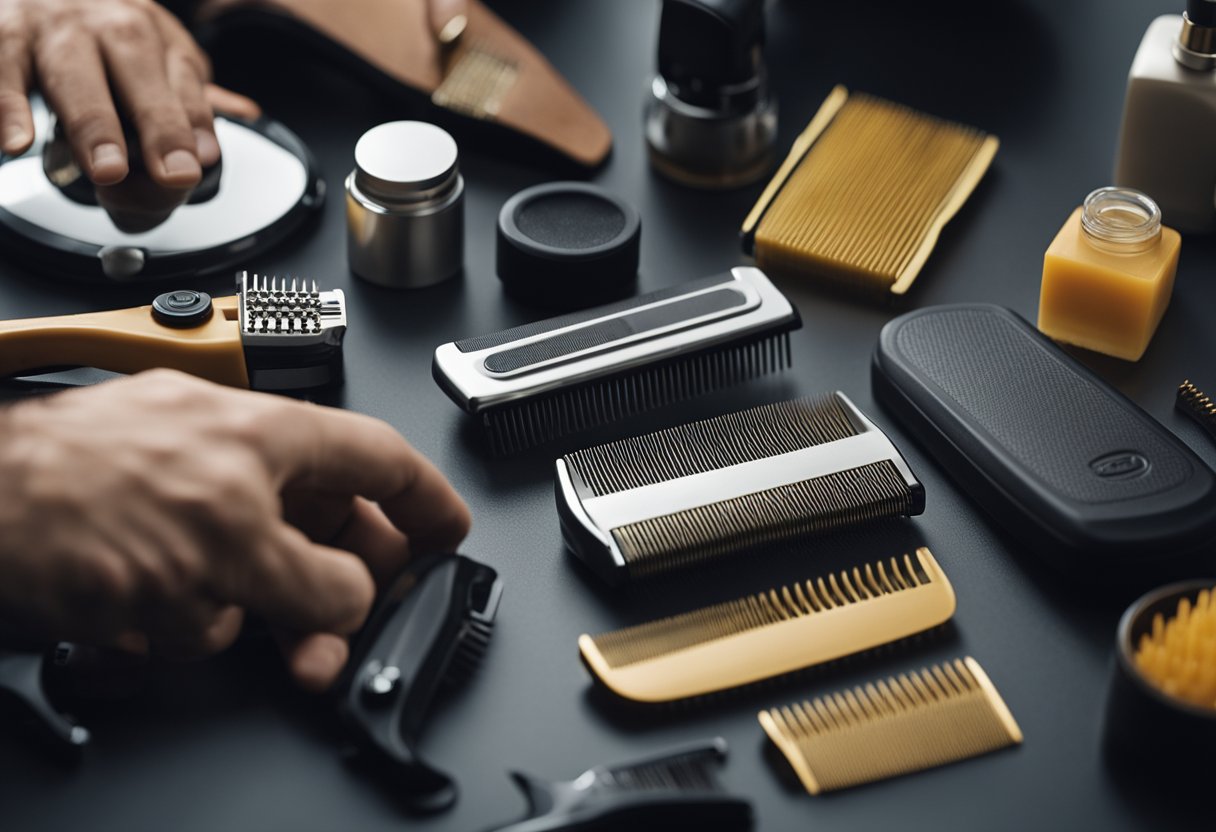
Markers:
{"x": 676, "y": 790}
{"x": 430, "y": 630}
{"x": 553, "y": 378}
{"x": 772, "y": 633}
{"x": 899, "y": 725}
{"x": 686, "y": 495}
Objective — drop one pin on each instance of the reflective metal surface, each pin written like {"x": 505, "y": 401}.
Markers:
{"x": 264, "y": 187}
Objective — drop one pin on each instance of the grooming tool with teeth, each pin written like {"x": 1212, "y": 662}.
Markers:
{"x": 273, "y": 334}
{"x": 678, "y": 790}
{"x": 906, "y": 723}
{"x": 1198, "y": 405}
{"x": 427, "y": 635}
{"x": 682, "y": 496}
{"x": 549, "y": 379}
{"x": 772, "y": 633}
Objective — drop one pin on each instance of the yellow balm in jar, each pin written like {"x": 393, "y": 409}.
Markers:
{"x": 1108, "y": 274}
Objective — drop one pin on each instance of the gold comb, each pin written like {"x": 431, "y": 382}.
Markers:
{"x": 912, "y": 722}
{"x": 1199, "y": 406}
{"x": 771, "y": 633}
{"x": 864, "y": 194}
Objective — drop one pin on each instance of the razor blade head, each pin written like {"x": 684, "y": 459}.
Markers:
{"x": 686, "y": 495}
{"x": 549, "y": 379}
{"x": 292, "y": 332}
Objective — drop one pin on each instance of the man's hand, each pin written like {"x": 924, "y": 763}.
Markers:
{"x": 87, "y": 56}
{"x": 155, "y": 510}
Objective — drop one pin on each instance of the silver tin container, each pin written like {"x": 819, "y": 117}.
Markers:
{"x": 405, "y": 206}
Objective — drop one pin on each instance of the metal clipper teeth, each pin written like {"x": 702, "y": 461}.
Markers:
{"x": 682, "y": 496}
{"x": 552, "y": 378}
{"x": 1195, "y": 403}
{"x": 291, "y": 330}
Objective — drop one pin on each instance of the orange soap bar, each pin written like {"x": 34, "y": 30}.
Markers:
{"x": 1101, "y": 298}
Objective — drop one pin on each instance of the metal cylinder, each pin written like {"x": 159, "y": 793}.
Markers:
{"x": 405, "y": 206}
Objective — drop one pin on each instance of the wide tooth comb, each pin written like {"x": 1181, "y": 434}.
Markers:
{"x": 915, "y": 721}
{"x": 780, "y": 631}
{"x": 1194, "y": 403}
{"x": 549, "y": 379}
{"x": 679, "y": 497}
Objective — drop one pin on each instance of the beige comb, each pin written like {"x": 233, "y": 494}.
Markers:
{"x": 899, "y": 725}
{"x": 772, "y": 633}
{"x": 864, "y": 194}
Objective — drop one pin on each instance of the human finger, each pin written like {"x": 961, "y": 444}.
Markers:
{"x": 315, "y": 660}
{"x": 135, "y": 61}
{"x": 343, "y": 452}
{"x": 187, "y": 84}
{"x": 16, "y": 121}
{"x": 224, "y": 100}
{"x": 73, "y": 78}
{"x": 352, "y": 524}
{"x": 300, "y": 585}
{"x": 206, "y": 634}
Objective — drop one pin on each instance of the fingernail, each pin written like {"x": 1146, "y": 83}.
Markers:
{"x": 16, "y": 137}
{"x": 108, "y": 155}
{"x": 208, "y": 147}
{"x": 182, "y": 164}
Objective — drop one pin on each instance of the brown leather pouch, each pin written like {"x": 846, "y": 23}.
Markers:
{"x": 457, "y": 53}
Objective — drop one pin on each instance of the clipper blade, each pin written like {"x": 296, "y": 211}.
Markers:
{"x": 291, "y": 331}
{"x": 1198, "y": 405}
{"x": 556, "y": 377}
{"x": 772, "y": 633}
{"x": 864, "y": 194}
{"x": 679, "y": 497}
{"x": 906, "y": 723}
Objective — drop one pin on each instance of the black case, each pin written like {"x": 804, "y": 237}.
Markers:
{"x": 1064, "y": 461}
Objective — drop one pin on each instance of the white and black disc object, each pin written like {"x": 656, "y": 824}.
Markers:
{"x": 568, "y": 245}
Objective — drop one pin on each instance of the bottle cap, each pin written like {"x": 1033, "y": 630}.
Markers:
{"x": 568, "y": 245}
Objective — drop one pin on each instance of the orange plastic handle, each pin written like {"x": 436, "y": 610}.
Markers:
{"x": 127, "y": 341}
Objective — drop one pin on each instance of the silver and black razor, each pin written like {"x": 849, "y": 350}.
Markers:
{"x": 686, "y": 495}
{"x": 273, "y": 334}
{"x": 545, "y": 380}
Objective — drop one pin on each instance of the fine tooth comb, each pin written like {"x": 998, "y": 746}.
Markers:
{"x": 1199, "y": 406}
{"x": 274, "y": 334}
{"x": 906, "y": 723}
{"x": 759, "y": 636}
{"x": 676, "y": 498}
{"x": 552, "y": 378}
{"x": 864, "y": 194}
{"x": 426, "y": 636}
{"x": 677, "y": 790}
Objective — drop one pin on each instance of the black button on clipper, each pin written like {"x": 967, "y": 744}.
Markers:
{"x": 183, "y": 309}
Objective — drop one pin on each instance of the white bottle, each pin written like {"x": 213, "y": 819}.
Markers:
{"x": 1167, "y": 143}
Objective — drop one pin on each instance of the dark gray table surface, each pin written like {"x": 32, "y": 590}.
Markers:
{"x": 229, "y": 744}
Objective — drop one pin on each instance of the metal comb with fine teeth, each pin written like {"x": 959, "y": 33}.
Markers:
{"x": 689, "y": 494}
{"x": 292, "y": 332}
{"x": 902, "y": 724}
{"x": 1198, "y": 405}
{"x": 771, "y": 633}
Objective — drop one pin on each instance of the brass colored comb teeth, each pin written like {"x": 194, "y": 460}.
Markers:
{"x": 772, "y": 633}
{"x": 686, "y": 495}
{"x": 476, "y": 84}
{"x": 864, "y": 193}
{"x": 906, "y": 723}
{"x": 1193, "y": 402}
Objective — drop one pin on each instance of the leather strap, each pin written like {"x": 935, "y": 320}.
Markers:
{"x": 486, "y": 70}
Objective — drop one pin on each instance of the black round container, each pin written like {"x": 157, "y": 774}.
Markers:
{"x": 1147, "y": 728}
{"x": 568, "y": 245}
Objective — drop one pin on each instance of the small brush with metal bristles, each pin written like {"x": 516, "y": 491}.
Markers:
{"x": 1195, "y": 403}
{"x": 678, "y": 790}
{"x": 773, "y": 633}
{"x": 899, "y": 725}
{"x": 686, "y": 495}
{"x": 546, "y": 380}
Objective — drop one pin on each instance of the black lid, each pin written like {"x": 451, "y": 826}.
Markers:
{"x": 568, "y": 245}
